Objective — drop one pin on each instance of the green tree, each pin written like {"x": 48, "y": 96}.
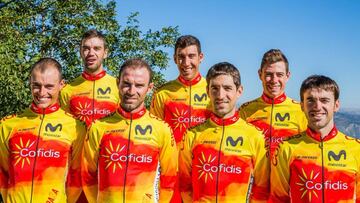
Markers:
{"x": 31, "y": 29}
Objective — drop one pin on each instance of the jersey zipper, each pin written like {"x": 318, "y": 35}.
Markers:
{"x": 93, "y": 103}
{"x": 190, "y": 108}
{"x": 127, "y": 157}
{"x": 270, "y": 128}
{"x": 218, "y": 164}
{"x": 35, "y": 158}
{"x": 322, "y": 170}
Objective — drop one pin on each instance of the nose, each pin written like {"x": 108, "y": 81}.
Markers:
{"x": 317, "y": 104}
{"x": 132, "y": 90}
{"x": 221, "y": 93}
{"x": 91, "y": 51}
{"x": 186, "y": 61}
{"x": 42, "y": 90}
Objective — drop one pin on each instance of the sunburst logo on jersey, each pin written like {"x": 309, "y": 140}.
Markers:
{"x": 80, "y": 107}
{"x": 205, "y": 161}
{"x": 304, "y": 178}
{"x": 110, "y": 153}
{"x": 179, "y": 116}
{"x": 18, "y": 155}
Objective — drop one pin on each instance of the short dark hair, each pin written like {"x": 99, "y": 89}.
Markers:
{"x": 320, "y": 82}
{"x": 45, "y": 63}
{"x": 224, "y": 68}
{"x": 187, "y": 40}
{"x": 91, "y": 34}
{"x": 135, "y": 63}
{"x": 273, "y": 56}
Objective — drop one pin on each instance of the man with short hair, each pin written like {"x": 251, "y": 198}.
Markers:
{"x": 183, "y": 102}
{"x": 126, "y": 151}
{"x": 276, "y": 114}
{"x": 223, "y": 159}
{"x": 41, "y": 147}
{"x": 321, "y": 164}
{"x": 94, "y": 93}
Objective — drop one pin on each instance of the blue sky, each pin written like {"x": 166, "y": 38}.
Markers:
{"x": 318, "y": 37}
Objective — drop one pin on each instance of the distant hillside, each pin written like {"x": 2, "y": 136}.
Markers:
{"x": 348, "y": 121}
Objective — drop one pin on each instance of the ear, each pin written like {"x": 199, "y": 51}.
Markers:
{"x": 201, "y": 56}
{"x": 337, "y": 106}
{"x": 302, "y": 105}
{"x": 62, "y": 83}
{"x": 288, "y": 75}
{"x": 175, "y": 59}
{"x": 239, "y": 91}
{"x": 150, "y": 88}
{"x": 259, "y": 73}
{"x": 118, "y": 82}
{"x": 105, "y": 53}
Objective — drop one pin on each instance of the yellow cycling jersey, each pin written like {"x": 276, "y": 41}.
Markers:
{"x": 278, "y": 118}
{"x": 125, "y": 155}
{"x": 90, "y": 97}
{"x": 40, "y": 156}
{"x": 182, "y": 104}
{"x": 312, "y": 169}
{"x": 223, "y": 160}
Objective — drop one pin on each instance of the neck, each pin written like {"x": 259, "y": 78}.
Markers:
{"x": 325, "y": 130}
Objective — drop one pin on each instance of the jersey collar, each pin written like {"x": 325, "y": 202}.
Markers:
{"x": 129, "y": 115}
{"x": 276, "y": 100}
{"x": 46, "y": 110}
{"x": 88, "y": 76}
{"x": 190, "y": 82}
{"x": 226, "y": 121}
{"x": 315, "y": 135}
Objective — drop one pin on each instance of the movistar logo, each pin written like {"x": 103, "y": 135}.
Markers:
{"x": 53, "y": 128}
{"x": 280, "y": 117}
{"x": 101, "y": 91}
{"x": 337, "y": 157}
{"x": 232, "y": 142}
{"x": 200, "y": 98}
{"x": 143, "y": 131}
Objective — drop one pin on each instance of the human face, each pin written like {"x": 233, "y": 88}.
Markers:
{"x": 93, "y": 53}
{"x": 319, "y": 106}
{"x": 188, "y": 61}
{"x": 45, "y": 87}
{"x": 223, "y": 95}
{"x": 133, "y": 87}
{"x": 274, "y": 78}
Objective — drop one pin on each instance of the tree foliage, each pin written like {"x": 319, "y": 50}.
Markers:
{"x": 31, "y": 29}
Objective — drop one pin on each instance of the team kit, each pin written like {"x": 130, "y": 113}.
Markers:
{"x": 94, "y": 140}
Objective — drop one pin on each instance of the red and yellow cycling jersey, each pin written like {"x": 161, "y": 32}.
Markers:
{"x": 40, "y": 155}
{"x": 223, "y": 160}
{"x": 277, "y": 118}
{"x": 311, "y": 169}
{"x": 91, "y": 97}
{"x": 124, "y": 154}
{"x": 182, "y": 104}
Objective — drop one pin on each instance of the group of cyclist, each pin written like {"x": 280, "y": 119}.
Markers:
{"x": 93, "y": 140}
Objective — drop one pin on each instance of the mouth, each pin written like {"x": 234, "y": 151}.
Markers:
{"x": 43, "y": 99}
{"x": 90, "y": 61}
{"x": 273, "y": 87}
{"x": 317, "y": 115}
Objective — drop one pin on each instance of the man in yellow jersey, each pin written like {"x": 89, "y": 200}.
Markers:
{"x": 276, "y": 114}
{"x": 41, "y": 147}
{"x": 321, "y": 164}
{"x": 223, "y": 159}
{"x": 183, "y": 102}
{"x": 127, "y": 152}
{"x": 94, "y": 93}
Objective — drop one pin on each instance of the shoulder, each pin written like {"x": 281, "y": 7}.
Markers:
{"x": 250, "y": 103}
{"x": 168, "y": 86}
